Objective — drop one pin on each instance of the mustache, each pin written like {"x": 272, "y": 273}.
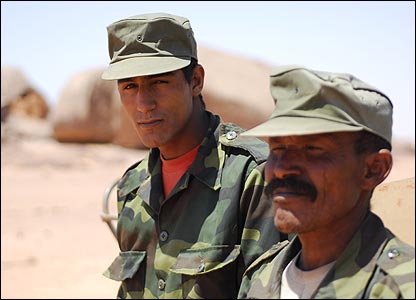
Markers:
{"x": 293, "y": 184}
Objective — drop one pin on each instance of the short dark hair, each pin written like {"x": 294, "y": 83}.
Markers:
{"x": 368, "y": 142}
{"x": 188, "y": 71}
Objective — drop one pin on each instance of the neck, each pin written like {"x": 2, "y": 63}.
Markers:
{"x": 335, "y": 239}
{"x": 190, "y": 137}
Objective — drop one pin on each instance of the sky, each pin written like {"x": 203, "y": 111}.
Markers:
{"x": 53, "y": 41}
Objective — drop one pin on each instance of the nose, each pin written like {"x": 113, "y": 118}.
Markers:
{"x": 283, "y": 165}
{"x": 144, "y": 101}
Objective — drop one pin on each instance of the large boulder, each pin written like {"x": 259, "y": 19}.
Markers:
{"x": 19, "y": 96}
{"x": 394, "y": 203}
{"x": 236, "y": 87}
{"x": 89, "y": 111}
{"x": 82, "y": 114}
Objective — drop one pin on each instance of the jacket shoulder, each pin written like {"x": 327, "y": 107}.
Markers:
{"x": 230, "y": 136}
{"x": 267, "y": 256}
{"x": 398, "y": 261}
{"x": 132, "y": 177}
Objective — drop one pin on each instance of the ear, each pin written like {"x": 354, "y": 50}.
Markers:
{"x": 378, "y": 167}
{"x": 197, "y": 80}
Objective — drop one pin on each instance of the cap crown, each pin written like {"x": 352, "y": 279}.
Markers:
{"x": 149, "y": 44}
{"x": 311, "y": 102}
{"x": 151, "y": 34}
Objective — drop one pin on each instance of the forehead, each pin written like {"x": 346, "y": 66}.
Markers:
{"x": 149, "y": 77}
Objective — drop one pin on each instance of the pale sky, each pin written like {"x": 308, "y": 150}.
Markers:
{"x": 375, "y": 41}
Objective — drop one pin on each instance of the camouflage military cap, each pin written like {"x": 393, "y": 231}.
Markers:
{"x": 313, "y": 102}
{"x": 149, "y": 44}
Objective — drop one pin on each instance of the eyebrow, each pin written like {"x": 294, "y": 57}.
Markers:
{"x": 128, "y": 79}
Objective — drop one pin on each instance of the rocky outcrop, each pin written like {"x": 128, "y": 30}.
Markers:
{"x": 236, "y": 87}
{"x": 19, "y": 96}
{"x": 89, "y": 111}
{"x": 394, "y": 203}
{"x": 82, "y": 113}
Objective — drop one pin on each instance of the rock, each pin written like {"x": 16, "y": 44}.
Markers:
{"x": 394, "y": 203}
{"x": 19, "y": 96}
{"x": 89, "y": 111}
{"x": 236, "y": 88}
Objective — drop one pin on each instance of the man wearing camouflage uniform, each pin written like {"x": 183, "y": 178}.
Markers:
{"x": 191, "y": 216}
{"x": 330, "y": 146}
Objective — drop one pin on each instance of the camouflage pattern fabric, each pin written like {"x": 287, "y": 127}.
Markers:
{"x": 375, "y": 264}
{"x": 197, "y": 242}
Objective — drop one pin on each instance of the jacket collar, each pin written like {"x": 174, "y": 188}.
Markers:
{"x": 358, "y": 261}
{"x": 208, "y": 161}
{"x": 207, "y": 168}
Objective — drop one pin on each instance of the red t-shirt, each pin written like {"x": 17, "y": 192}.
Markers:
{"x": 173, "y": 169}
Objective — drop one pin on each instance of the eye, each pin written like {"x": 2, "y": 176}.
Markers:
{"x": 313, "y": 148}
{"x": 160, "y": 81}
{"x": 128, "y": 86}
{"x": 278, "y": 147}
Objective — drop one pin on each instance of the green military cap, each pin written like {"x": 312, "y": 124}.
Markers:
{"x": 149, "y": 44}
{"x": 313, "y": 102}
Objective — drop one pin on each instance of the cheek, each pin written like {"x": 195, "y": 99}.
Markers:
{"x": 128, "y": 104}
{"x": 179, "y": 112}
{"x": 268, "y": 170}
{"x": 339, "y": 189}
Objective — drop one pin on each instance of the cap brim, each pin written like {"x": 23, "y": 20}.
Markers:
{"x": 285, "y": 126}
{"x": 142, "y": 66}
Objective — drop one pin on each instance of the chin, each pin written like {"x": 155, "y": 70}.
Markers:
{"x": 286, "y": 222}
{"x": 151, "y": 145}
{"x": 285, "y": 228}
{"x": 151, "y": 142}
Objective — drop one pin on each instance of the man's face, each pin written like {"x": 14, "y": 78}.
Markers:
{"x": 313, "y": 180}
{"x": 160, "y": 106}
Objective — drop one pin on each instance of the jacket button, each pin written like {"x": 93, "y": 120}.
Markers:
{"x": 393, "y": 253}
{"x": 201, "y": 267}
{"x": 163, "y": 236}
{"x": 161, "y": 284}
{"x": 231, "y": 135}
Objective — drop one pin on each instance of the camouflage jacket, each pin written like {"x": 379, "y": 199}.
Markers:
{"x": 375, "y": 264}
{"x": 197, "y": 242}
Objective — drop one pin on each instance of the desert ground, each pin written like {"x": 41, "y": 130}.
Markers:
{"x": 53, "y": 241}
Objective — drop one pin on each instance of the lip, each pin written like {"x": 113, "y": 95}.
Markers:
{"x": 283, "y": 195}
{"x": 149, "y": 123}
